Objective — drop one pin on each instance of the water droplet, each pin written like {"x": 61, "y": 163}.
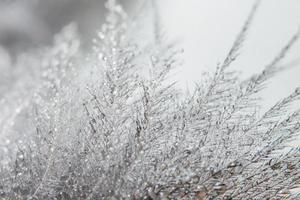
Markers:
{"x": 194, "y": 179}
{"x": 219, "y": 187}
{"x": 284, "y": 192}
{"x": 100, "y": 56}
{"x": 201, "y": 192}
{"x": 163, "y": 166}
{"x": 154, "y": 59}
{"x": 234, "y": 164}
{"x": 101, "y": 35}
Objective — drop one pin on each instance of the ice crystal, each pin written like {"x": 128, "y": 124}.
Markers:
{"x": 113, "y": 126}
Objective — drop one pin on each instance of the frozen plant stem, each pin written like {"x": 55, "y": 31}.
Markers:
{"x": 114, "y": 127}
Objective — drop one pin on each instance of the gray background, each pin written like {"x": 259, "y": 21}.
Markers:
{"x": 207, "y": 28}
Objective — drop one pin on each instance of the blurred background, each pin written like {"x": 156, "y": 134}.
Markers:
{"x": 204, "y": 28}
{"x": 207, "y": 29}
{"x": 32, "y": 23}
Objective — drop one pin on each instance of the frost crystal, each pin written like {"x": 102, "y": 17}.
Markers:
{"x": 113, "y": 126}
